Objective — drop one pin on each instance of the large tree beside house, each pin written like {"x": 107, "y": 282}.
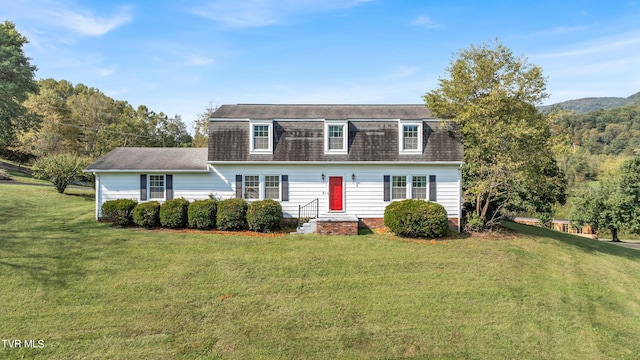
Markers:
{"x": 16, "y": 83}
{"x": 491, "y": 96}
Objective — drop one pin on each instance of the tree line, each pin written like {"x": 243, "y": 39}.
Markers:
{"x": 49, "y": 116}
{"x": 84, "y": 122}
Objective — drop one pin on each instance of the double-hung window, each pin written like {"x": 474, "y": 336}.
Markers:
{"x": 419, "y": 187}
{"x": 261, "y": 137}
{"x": 156, "y": 187}
{"x": 336, "y": 137}
{"x": 259, "y": 187}
{"x": 398, "y": 187}
{"x": 252, "y": 187}
{"x": 410, "y": 137}
{"x": 272, "y": 187}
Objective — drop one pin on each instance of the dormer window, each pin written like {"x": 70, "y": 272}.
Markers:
{"x": 336, "y": 136}
{"x": 261, "y": 137}
{"x": 410, "y": 137}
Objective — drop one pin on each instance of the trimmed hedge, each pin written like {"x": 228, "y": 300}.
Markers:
{"x": 416, "y": 218}
{"x": 202, "y": 214}
{"x": 147, "y": 214}
{"x": 232, "y": 214}
{"x": 173, "y": 213}
{"x": 265, "y": 215}
{"x": 118, "y": 212}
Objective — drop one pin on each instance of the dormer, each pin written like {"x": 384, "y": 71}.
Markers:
{"x": 336, "y": 137}
{"x": 261, "y": 133}
{"x": 410, "y": 135}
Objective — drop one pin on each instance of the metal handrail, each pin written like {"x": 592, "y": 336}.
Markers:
{"x": 308, "y": 211}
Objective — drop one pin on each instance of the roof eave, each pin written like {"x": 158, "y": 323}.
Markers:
{"x": 144, "y": 170}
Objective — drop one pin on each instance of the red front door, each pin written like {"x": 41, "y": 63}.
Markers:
{"x": 335, "y": 193}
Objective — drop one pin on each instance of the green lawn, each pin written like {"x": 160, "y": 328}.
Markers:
{"x": 93, "y": 292}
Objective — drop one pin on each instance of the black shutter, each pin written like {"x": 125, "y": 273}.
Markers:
{"x": 432, "y": 188}
{"x": 285, "y": 188}
{"x": 239, "y": 186}
{"x": 143, "y": 187}
{"x": 169, "y": 194}
{"x": 387, "y": 188}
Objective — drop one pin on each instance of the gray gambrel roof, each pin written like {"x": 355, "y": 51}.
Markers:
{"x": 298, "y": 134}
{"x": 152, "y": 159}
{"x": 327, "y": 112}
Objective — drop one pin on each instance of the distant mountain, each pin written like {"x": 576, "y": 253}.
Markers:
{"x": 586, "y": 105}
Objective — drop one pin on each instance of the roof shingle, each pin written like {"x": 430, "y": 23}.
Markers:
{"x": 149, "y": 159}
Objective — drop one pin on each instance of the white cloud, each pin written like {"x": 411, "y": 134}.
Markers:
{"x": 260, "y": 13}
{"x": 605, "y": 66}
{"x": 86, "y": 23}
{"x": 106, "y": 71}
{"x": 57, "y": 15}
{"x": 604, "y": 45}
{"x": 196, "y": 60}
{"x": 425, "y": 21}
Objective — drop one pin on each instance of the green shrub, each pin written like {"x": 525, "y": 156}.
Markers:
{"x": 173, "y": 213}
{"x": 416, "y": 218}
{"x": 60, "y": 169}
{"x": 265, "y": 215}
{"x": 118, "y": 212}
{"x": 232, "y": 215}
{"x": 4, "y": 175}
{"x": 202, "y": 214}
{"x": 147, "y": 214}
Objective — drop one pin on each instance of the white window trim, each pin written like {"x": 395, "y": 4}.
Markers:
{"x": 164, "y": 185}
{"x": 252, "y": 149}
{"x": 401, "y": 125}
{"x": 345, "y": 138}
{"x": 408, "y": 187}
{"x": 264, "y": 187}
{"x": 244, "y": 187}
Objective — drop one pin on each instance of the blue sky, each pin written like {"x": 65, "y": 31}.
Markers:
{"x": 178, "y": 56}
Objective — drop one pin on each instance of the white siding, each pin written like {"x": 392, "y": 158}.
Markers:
{"x": 112, "y": 186}
{"x": 363, "y": 197}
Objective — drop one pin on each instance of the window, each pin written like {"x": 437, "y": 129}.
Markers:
{"x": 336, "y": 134}
{"x": 272, "y": 187}
{"x": 410, "y": 137}
{"x": 398, "y": 187}
{"x": 261, "y": 137}
{"x": 336, "y": 137}
{"x": 252, "y": 187}
{"x": 419, "y": 187}
{"x": 156, "y": 186}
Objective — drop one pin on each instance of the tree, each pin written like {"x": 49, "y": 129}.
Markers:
{"x": 491, "y": 98}
{"x": 201, "y": 128}
{"x": 16, "y": 82}
{"x": 59, "y": 169}
{"x": 614, "y": 204}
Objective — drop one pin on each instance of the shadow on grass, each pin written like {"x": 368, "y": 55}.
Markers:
{"x": 583, "y": 243}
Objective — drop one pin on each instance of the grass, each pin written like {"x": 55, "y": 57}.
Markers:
{"x": 90, "y": 291}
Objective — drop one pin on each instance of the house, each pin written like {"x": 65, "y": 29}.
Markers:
{"x": 341, "y": 160}
{"x": 561, "y": 225}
